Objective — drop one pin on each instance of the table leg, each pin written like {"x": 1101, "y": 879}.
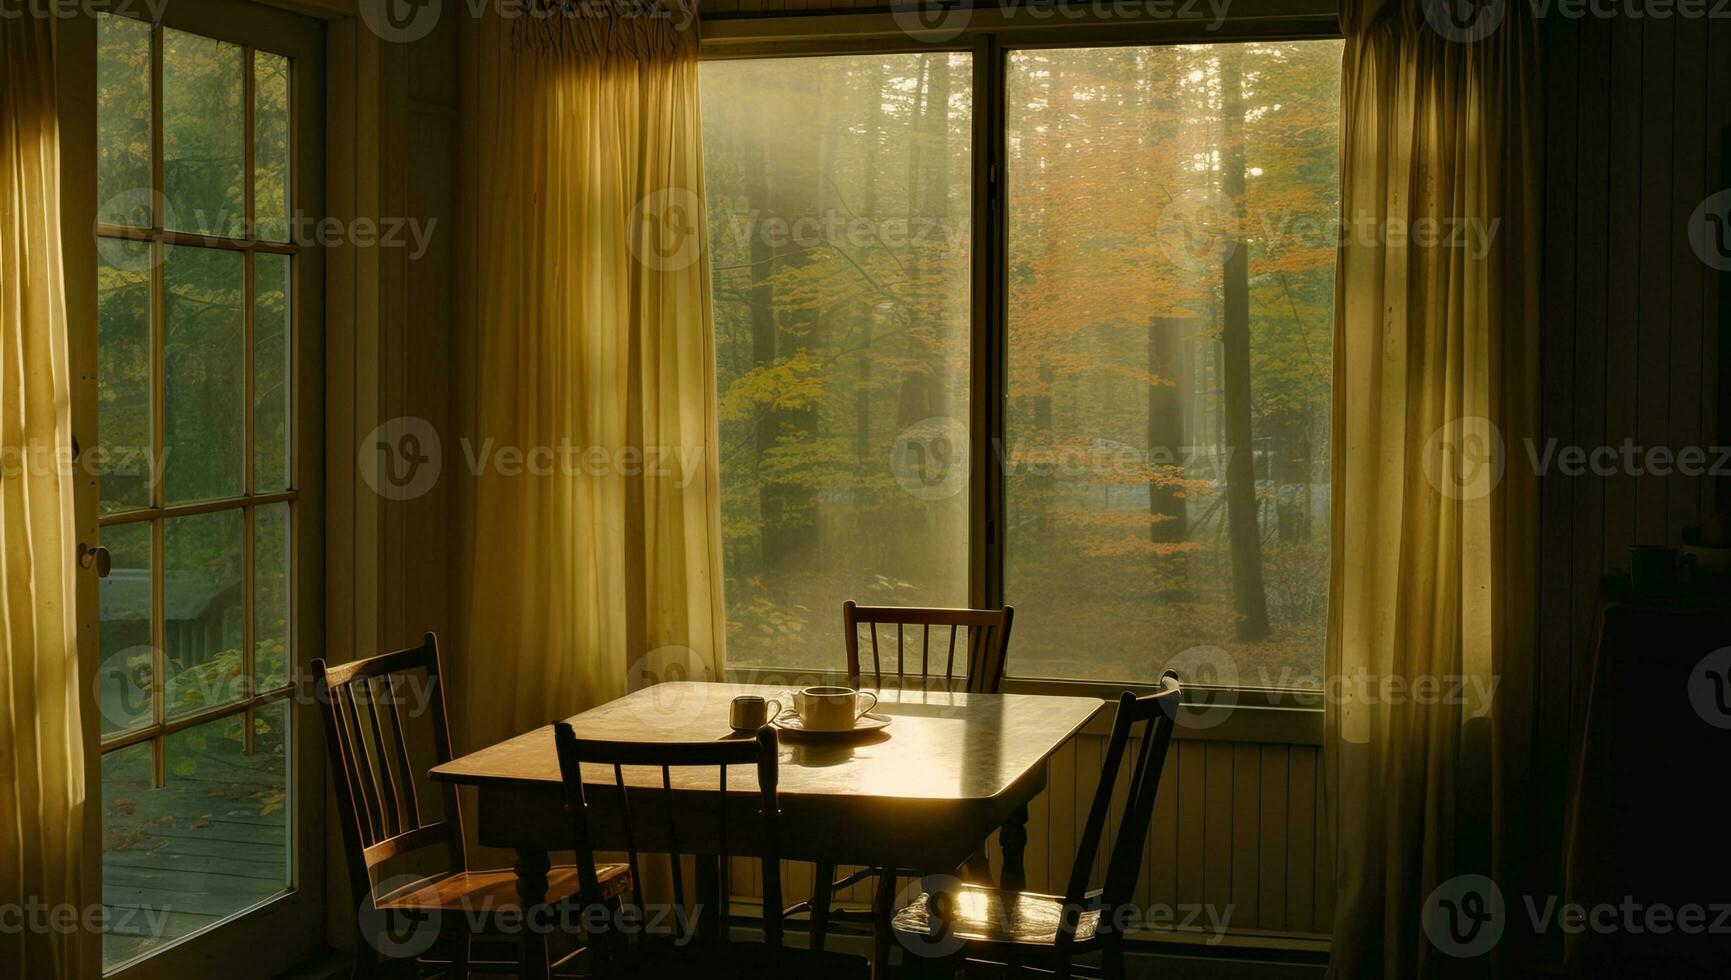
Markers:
{"x": 883, "y": 909}
{"x": 1014, "y": 841}
{"x": 532, "y": 867}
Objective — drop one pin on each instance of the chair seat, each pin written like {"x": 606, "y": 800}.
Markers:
{"x": 496, "y": 891}
{"x": 992, "y": 915}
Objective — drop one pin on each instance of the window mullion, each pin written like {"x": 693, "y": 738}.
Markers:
{"x": 988, "y": 362}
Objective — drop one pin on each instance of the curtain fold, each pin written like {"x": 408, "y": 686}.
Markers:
{"x": 596, "y": 563}
{"x": 1434, "y": 511}
{"x": 41, "y": 752}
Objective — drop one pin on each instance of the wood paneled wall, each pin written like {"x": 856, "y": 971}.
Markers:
{"x": 1237, "y": 832}
{"x": 1636, "y": 109}
{"x": 392, "y": 150}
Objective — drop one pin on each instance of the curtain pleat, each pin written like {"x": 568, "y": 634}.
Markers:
{"x": 1434, "y": 515}
{"x": 599, "y": 569}
{"x": 41, "y": 753}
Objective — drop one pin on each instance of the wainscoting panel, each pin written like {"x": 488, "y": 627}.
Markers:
{"x": 1238, "y": 832}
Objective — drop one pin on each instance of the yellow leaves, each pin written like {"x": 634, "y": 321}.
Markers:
{"x": 794, "y": 382}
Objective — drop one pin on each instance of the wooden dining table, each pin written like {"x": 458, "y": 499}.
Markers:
{"x": 924, "y": 792}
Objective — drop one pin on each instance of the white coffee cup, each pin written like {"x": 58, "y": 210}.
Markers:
{"x": 832, "y": 709}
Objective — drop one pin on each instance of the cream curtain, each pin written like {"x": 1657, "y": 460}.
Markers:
{"x": 1430, "y": 644}
{"x": 596, "y": 563}
{"x": 41, "y": 754}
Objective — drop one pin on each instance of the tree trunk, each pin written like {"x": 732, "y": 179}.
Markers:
{"x": 1249, "y": 598}
{"x": 1165, "y": 428}
{"x": 865, "y": 461}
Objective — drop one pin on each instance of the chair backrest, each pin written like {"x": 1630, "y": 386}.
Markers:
{"x": 649, "y": 816}
{"x": 1155, "y": 714}
{"x": 381, "y": 809}
{"x": 985, "y": 643}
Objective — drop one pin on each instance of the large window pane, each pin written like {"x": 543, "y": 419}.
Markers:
{"x": 270, "y": 608}
{"x": 838, "y": 209}
{"x": 270, "y": 146}
{"x": 271, "y": 373}
{"x": 123, "y": 374}
{"x": 1171, "y": 209}
{"x": 123, "y": 121}
{"x": 204, "y": 610}
{"x": 204, "y": 367}
{"x": 212, "y": 841}
{"x": 125, "y": 677}
{"x": 203, "y": 135}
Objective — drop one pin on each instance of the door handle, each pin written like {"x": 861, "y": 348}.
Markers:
{"x": 97, "y": 558}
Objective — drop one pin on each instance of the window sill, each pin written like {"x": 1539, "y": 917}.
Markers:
{"x": 1228, "y": 715}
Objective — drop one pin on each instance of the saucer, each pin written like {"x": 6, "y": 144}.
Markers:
{"x": 868, "y": 722}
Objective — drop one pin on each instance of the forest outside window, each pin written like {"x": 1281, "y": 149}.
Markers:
{"x": 1168, "y": 268}
{"x": 195, "y": 337}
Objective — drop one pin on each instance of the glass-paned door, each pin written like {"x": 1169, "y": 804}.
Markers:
{"x": 198, "y": 337}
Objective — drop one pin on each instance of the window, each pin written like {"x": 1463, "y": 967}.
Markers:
{"x": 1148, "y": 316}
{"x": 1161, "y": 367}
{"x": 838, "y": 202}
{"x": 198, "y": 324}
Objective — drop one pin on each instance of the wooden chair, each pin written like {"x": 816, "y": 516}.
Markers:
{"x": 384, "y": 817}
{"x": 984, "y": 637}
{"x": 1047, "y": 931}
{"x": 984, "y": 634}
{"x": 651, "y": 817}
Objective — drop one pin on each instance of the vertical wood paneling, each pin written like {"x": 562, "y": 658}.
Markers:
{"x": 1306, "y": 858}
{"x": 1689, "y": 94}
{"x": 1192, "y": 817}
{"x": 1234, "y": 825}
{"x": 1246, "y": 839}
{"x": 1622, "y": 272}
{"x": 1161, "y": 858}
{"x": 1272, "y": 830}
{"x": 1061, "y": 788}
{"x": 1217, "y": 825}
{"x": 1653, "y": 341}
{"x": 1634, "y": 109}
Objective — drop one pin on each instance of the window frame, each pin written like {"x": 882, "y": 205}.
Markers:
{"x": 286, "y": 928}
{"x": 1257, "y": 714}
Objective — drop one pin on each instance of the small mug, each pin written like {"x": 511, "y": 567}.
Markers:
{"x": 832, "y": 709}
{"x": 751, "y": 712}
